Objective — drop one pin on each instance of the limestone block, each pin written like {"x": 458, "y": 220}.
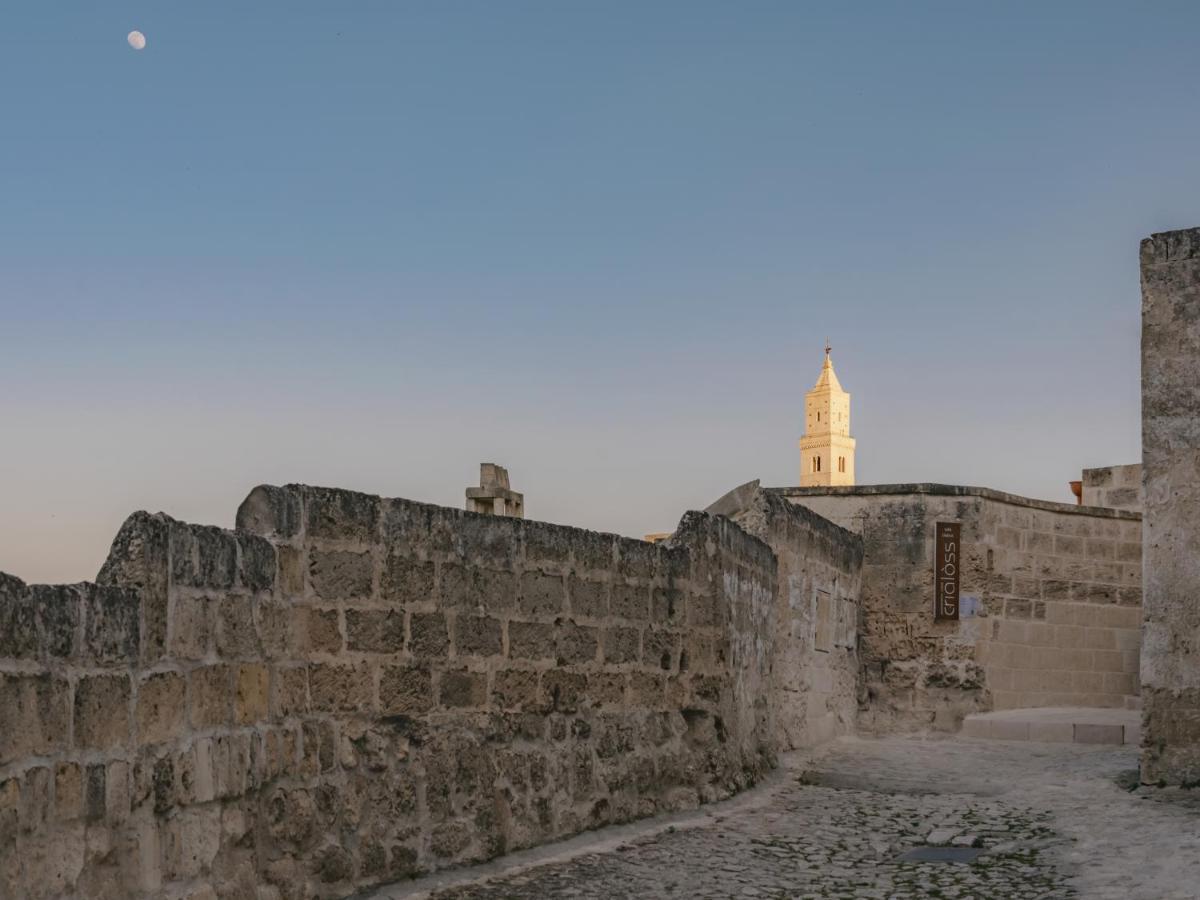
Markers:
{"x": 190, "y": 841}
{"x": 68, "y": 793}
{"x": 460, "y": 688}
{"x": 202, "y": 556}
{"x": 515, "y": 689}
{"x": 191, "y": 626}
{"x": 272, "y": 512}
{"x": 662, "y": 648}
{"x": 140, "y": 560}
{"x": 251, "y": 694}
{"x": 289, "y": 691}
{"x": 236, "y": 634}
{"x": 541, "y": 594}
{"x": 407, "y": 580}
{"x": 429, "y": 636}
{"x": 274, "y": 622}
{"x": 630, "y": 601}
{"x": 341, "y": 515}
{"x": 577, "y": 643}
{"x": 291, "y": 574}
{"x": 53, "y": 862}
{"x": 478, "y": 636}
{"x": 463, "y": 587}
{"x": 563, "y": 691}
{"x": 336, "y": 687}
{"x": 340, "y": 574}
{"x": 34, "y": 715}
{"x": 210, "y": 696}
{"x": 161, "y": 707}
{"x": 588, "y": 599}
{"x": 256, "y": 562}
{"x": 36, "y": 785}
{"x": 38, "y": 619}
{"x": 101, "y": 712}
{"x": 532, "y": 640}
{"x": 621, "y": 645}
{"x": 111, "y": 629}
{"x": 318, "y": 629}
{"x": 375, "y": 630}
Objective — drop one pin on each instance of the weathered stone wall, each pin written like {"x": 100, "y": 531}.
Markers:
{"x": 1113, "y": 487}
{"x": 1056, "y": 591}
{"x": 820, "y": 580}
{"x": 1171, "y": 456}
{"x": 349, "y": 690}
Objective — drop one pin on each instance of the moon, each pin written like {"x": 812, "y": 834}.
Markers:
{"x": 137, "y": 40}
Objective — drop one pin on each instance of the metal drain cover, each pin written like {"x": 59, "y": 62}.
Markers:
{"x": 942, "y": 854}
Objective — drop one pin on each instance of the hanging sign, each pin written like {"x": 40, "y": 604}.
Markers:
{"x": 947, "y": 554}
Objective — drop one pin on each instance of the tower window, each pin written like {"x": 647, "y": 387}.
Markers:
{"x": 818, "y": 417}
{"x": 841, "y": 464}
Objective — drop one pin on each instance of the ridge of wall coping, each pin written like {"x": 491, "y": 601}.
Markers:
{"x": 689, "y": 521}
{"x": 956, "y": 490}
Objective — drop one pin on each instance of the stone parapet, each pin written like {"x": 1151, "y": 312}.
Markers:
{"x": 347, "y": 689}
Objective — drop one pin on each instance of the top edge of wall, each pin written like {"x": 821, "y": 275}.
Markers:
{"x": 956, "y": 490}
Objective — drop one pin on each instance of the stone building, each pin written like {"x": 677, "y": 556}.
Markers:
{"x": 1171, "y": 458}
{"x": 826, "y": 449}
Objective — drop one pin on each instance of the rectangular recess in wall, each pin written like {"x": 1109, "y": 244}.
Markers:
{"x": 824, "y": 621}
{"x": 947, "y": 556}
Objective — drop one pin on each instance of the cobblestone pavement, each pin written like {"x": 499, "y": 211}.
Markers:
{"x": 1048, "y": 821}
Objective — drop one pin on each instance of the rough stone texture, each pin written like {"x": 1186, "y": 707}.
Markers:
{"x": 1171, "y": 457}
{"x": 1058, "y": 591}
{"x": 350, "y": 690}
{"x": 1048, "y": 821}
{"x": 820, "y": 580}
{"x": 1113, "y": 487}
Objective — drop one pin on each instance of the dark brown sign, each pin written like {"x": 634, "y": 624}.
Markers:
{"x": 947, "y": 554}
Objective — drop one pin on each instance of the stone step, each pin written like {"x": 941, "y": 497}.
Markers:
{"x": 1063, "y": 725}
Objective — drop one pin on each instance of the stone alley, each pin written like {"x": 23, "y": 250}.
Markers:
{"x": 1046, "y": 820}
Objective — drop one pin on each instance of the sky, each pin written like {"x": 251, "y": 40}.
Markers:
{"x": 373, "y": 244}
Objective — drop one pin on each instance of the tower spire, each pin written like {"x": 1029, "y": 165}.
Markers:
{"x": 826, "y": 449}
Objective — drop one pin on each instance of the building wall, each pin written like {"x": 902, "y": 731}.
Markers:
{"x": 1171, "y": 456}
{"x": 349, "y": 690}
{"x": 820, "y": 580}
{"x": 1058, "y": 603}
{"x": 1114, "y": 487}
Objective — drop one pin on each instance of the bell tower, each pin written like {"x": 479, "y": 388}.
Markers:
{"x": 826, "y": 449}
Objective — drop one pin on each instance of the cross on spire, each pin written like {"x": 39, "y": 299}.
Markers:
{"x": 827, "y": 347}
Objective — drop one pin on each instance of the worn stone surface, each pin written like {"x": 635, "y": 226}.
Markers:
{"x": 1113, "y": 487}
{"x": 820, "y": 581}
{"x": 353, "y": 689}
{"x": 1052, "y": 821}
{"x": 1171, "y": 459}
{"x": 1056, "y": 590}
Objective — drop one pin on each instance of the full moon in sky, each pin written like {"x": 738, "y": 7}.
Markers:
{"x": 137, "y": 40}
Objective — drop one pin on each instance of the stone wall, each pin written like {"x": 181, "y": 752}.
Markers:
{"x": 820, "y": 580}
{"x": 1171, "y": 456}
{"x": 1113, "y": 487}
{"x": 1051, "y": 603}
{"x": 349, "y": 690}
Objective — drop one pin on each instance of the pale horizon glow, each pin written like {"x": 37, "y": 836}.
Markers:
{"x": 599, "y": 244}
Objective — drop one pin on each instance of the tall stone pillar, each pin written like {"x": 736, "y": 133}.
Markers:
{"x": 1171, "y": 524}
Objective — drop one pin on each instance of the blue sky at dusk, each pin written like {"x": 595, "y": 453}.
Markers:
{"x": 373, "y": 244}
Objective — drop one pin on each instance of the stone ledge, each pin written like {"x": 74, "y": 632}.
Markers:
{"x": 954, "y": 490}
{"x": 1057, "y": 725}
